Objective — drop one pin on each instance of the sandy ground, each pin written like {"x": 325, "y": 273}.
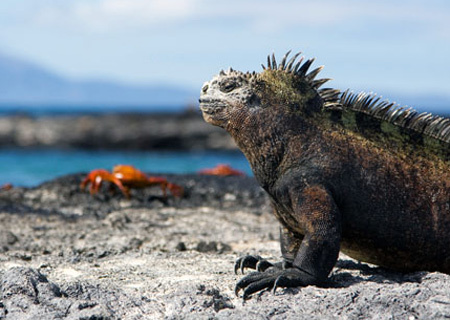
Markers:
{"x": 67, "y": 255}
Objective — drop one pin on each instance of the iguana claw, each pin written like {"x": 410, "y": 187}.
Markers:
{"x": 272, "y": 279}
{"x": 253, "y": 262}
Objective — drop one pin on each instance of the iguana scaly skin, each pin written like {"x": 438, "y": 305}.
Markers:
{"x": 343, "y": 172}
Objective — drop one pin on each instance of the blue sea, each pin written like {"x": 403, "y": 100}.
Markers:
{"x": 31, "y": 167}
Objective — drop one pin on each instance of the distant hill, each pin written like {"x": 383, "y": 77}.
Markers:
{"x": 27, "y": 85}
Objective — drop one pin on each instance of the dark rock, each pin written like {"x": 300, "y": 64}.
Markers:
{"x": 64, "y": 196}
{"x": 27, "y": 294}
{"x": 217, "y": 300}
{"x": 181, "y": 246}
{"x": 185, "y": 131}
{"x": 7, "y": 239}
{"x": 10, "y": 238}
{"x": 212, "y": 246}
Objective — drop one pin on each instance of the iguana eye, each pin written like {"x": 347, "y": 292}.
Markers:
{"x": 228, "y": 86}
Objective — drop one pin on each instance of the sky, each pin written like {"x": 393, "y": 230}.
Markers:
{"x": 381, "y": 46}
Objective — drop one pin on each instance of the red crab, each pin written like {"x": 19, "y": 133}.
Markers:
{"x": 222, "y": 170}
{"x": 126, "y": 177}
{"x": 6, "y": 186}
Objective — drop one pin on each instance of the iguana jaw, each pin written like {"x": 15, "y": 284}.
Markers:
{"x": 213, "y": 111}
{"x": 211, "y": 106}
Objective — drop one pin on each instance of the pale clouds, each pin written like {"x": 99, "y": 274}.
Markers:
{"x": 260, "y": 16}
{"x": 110, "y": 15}
{"x": 283, "y": 15}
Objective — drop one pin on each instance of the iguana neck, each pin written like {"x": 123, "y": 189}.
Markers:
{"x": 264, "y": 140}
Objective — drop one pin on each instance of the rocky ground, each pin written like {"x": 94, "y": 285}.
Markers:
{"x": 67, "y": 255}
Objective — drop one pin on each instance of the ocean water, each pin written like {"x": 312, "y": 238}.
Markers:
{"x": 23, "y": 167}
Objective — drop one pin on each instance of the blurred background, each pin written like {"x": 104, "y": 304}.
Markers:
{"x": 79, "y": 61}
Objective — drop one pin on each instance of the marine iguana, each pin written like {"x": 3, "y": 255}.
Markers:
{"x": 343, "y": 171}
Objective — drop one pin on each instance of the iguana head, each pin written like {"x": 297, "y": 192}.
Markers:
{"x": 227, "y": 94}
{"x": 233, "y": 96}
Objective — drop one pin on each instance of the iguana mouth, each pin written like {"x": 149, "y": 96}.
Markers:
{"x": 211, "y": 106}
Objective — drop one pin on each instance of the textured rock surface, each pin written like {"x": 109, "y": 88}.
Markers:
{"x": 67, "y": 255}
{"x": 185, "y": 131}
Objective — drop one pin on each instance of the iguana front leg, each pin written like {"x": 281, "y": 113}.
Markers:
{"x": 317, "y": 215}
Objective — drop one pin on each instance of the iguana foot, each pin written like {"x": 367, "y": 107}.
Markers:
{"x": 258, "y": 263}
{"x": 273, "y": 278}
{"x": 253, "y": 262}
